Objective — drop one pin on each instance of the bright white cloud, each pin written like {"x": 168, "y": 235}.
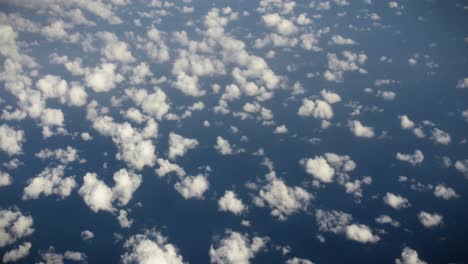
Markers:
{"x": 230, "y": 203}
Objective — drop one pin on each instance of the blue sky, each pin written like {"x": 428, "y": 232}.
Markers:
{"x": 269, "y": 131}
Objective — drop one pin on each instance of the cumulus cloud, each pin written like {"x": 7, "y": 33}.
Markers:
{"x": 230, "y": 203}
{"x": 154, "y": 104}
{"x": 179, "y": 145}
{"x": 385, "y": 219}
{"x": 18, "y": 253}
{"x": 413, "y": 159}
{"x": 87, "y": 235}
{"x": 318, "y": 109}
{"x": 64, "y": 156}
{"x": 282, "y": 129}
{"x": 332, "y": 221}
{"x": 165, "y": 167}
{"x": 360, "y": 130}
{"x": 319, "y": 168}
{"x": 14, "y": 226}
{"x": 396, "y": 201}
{"x": 103, "y": 78}
{"x": 11, "y": 140}
{"x": 462, "y": 166}
{"x": 361, "y": 234}
{"x": 298, "y": 261}
{"x": 193, "y": 186}
{"x": 114, "y": 49}
{"x": 445, "y": 193}
{"x": 282, "y": 199}
{"x": 440, "y": 136}
{"x": 50, "y": 181}
{"x": 409, "y": 256}
{"x": 98, "y": 196}
{"x": 151, "y": 247}
{"x": 429, "y": 220}
{"x": 5, "y": 179}
{"x": 223, "y": 146}
{"x": 236, "y": 248}
{"x": 405, "y": 122}
{"x": 330, "y": 97}
{"x": 463, "y": 83}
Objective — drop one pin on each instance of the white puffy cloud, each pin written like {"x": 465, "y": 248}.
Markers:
{"x": 318, "y": 109}
{"x": 360, "y": 130}
{"x": 156, "y": 47}
{"x": 385, "y": 219}
{"x": 154, "y": 104}
{"x": 126, "y": 183}
{"x": 409, "y": 256}
{"x": 298, "y": 261}
{"x": 440, "y": 136}
{"x": 50, "y": 182}
{"x": 134, "y": 146}
{"x": 236, "y": 248}
{"x": 140, "y": 73}
{"x": 65, "y": 156}
{"x": 332, "y": 221}
{"x": 462, "y": 166}
{"x": 5, "y": 179}
{"x": 413, "y": 159}
{"x": 103, "y": 78}
{"x": 444, "y": 192}
{"x": 17, "y": 253}
{"x": 361, "y": 234}
{"x": 282, "y": 25}
{"x": 98, "y": 196}
{"x": 319, "y": 168}
{"x": 188, "y": 85}
{"x": 429, "y": 220}
{"x": 124, "y": 222}
{"x": 114, "y": 49}
{"x": 282, "y": 199}
{"x": 165, "y": 167}
{"x": 11, "y": 140}
{"x": 230, "y": 203}
{"x": 282, "y": 129}
{"x": 151, "y": 247}
{"x": 223, "y": 146}
{"x": 330, "y": 97}
{"x": 337, "y": 67}
{"x": 396, "y": 201}
{"x": 179, "y": 145}
{"x": 52, "y": 257}
{"x": 341, "y": 41}
{"x": 193, "y": 187}
{"x": 13, "y": 226}
{"x": 87, "y": 235}
{"x": 405, "y": 122}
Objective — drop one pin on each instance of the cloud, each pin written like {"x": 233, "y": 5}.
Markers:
{"x": 5, "y": 179}
{"x": 409, "y": 256}
{"x": 318, "y": 109}
{"x": 154, "y": 104}
{"x": 103, "y": 78}
{"x": 87, "y": 235}
{"x": 298, "y": 261}
{"x": 236, "y": 248}
{"x": 405, "y": 122}
{"x": 223, "y": 146}
{"x": 360, "y": 130}
{"x": 165, "y": 167}
{"x": 11, "y": 140}
{"x": 98, "y": 196}
{"x": 114, "y": 49}
{"x": 445, "y": 193}
{"x": 51, "y": 256}
{"x": 330, "y": 97}
{"x": 124, "y": 222}
{"x": 230, "y": 203}
{"x": 151, "y": 247}
{"x": 462, "y": 166}
{"x": 396, "y": 201}
{"x": 320, "y": 169}
{"x": 282, "y": 199}
{"x": 13, "y": 226}
{"x": 463, "y": 83}
{"x": 64, "y": 156}
{"x": 440, "y": 136}
{"x": 413, "y": 159}
{"x": 385, "y": 219}
{"x": 18, "y": 253}
{"x": 429, "y": 220}
{"x": 341, "y": 41}
{"x": 188, "y": 85}
{"x": 193, "y": 187}
{"x": 179, "y": 145}
{"x": 332, "y": 221}
{"x": 282, "y": 129}
{"x": 361, "y": 234}
{"x": 50, "y": 182}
